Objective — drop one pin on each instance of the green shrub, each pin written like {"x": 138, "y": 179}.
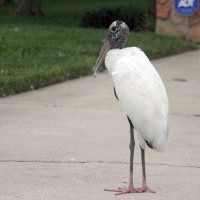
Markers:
{"x": 136, "y": 18}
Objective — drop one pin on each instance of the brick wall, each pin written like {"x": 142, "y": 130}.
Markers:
{"x": 169, "y": 22}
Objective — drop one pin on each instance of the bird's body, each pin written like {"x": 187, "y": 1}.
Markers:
{"x": 142, "y": 94}
{"x": 139, "y": 88}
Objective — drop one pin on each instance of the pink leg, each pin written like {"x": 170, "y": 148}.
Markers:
{"x": 129, "y": 189}
{"x": 144, "y": 187}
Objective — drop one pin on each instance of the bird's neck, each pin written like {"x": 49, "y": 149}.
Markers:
{"x": 111, "y": 59}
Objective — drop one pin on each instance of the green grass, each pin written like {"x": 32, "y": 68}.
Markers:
{"x": 38, "y": 52}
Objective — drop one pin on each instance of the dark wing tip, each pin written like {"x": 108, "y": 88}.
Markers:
{"x": 149, "y": 144}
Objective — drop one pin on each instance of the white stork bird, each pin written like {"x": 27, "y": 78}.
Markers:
{"x": 141, "y": 92}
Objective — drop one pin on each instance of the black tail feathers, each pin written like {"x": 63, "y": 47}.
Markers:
{"x": 149, "y": 144}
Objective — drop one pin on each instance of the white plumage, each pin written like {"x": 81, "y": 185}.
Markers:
{"x": 142, "y": 94}
{"x": 140, "y": 90}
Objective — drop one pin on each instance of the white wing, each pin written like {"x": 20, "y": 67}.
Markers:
{"x": 141, "y": 93}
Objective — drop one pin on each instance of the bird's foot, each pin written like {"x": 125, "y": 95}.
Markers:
{"x": 145, "y": 189}
{"x": 123, "y": 190}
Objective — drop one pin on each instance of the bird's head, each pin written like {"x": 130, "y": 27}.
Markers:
{"x": 116, "y": 38}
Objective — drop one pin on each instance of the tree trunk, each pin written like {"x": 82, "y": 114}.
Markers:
{"x": 29, "y": 8}
{"x": 3, "y": 1}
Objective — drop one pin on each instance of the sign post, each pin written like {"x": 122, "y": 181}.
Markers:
{"x": 186, "y": 8}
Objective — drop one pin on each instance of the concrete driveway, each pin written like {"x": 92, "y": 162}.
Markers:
{"x": 70, "y": 141}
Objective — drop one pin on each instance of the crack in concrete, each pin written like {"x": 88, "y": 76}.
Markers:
{"x": 180, "y": 79}
{"x": 186, "y": 114}
{"x": 98, "y": 161}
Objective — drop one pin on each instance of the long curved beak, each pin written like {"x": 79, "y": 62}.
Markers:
{"x": 106, "y": 47}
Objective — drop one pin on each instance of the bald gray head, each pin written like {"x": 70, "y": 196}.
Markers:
{"x": 116, "y": 38}
{"x": 117, "y": 34}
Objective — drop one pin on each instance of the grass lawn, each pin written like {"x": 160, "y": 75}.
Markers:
{"x": 38, "y": 52}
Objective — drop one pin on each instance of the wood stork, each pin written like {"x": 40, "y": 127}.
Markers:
{"x": 141, "y": 92}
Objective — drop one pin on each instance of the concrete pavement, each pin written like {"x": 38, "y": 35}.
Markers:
{"x": 70, "y": 140}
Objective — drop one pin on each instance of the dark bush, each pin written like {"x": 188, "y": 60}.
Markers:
{"x": 137, "y": 19}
